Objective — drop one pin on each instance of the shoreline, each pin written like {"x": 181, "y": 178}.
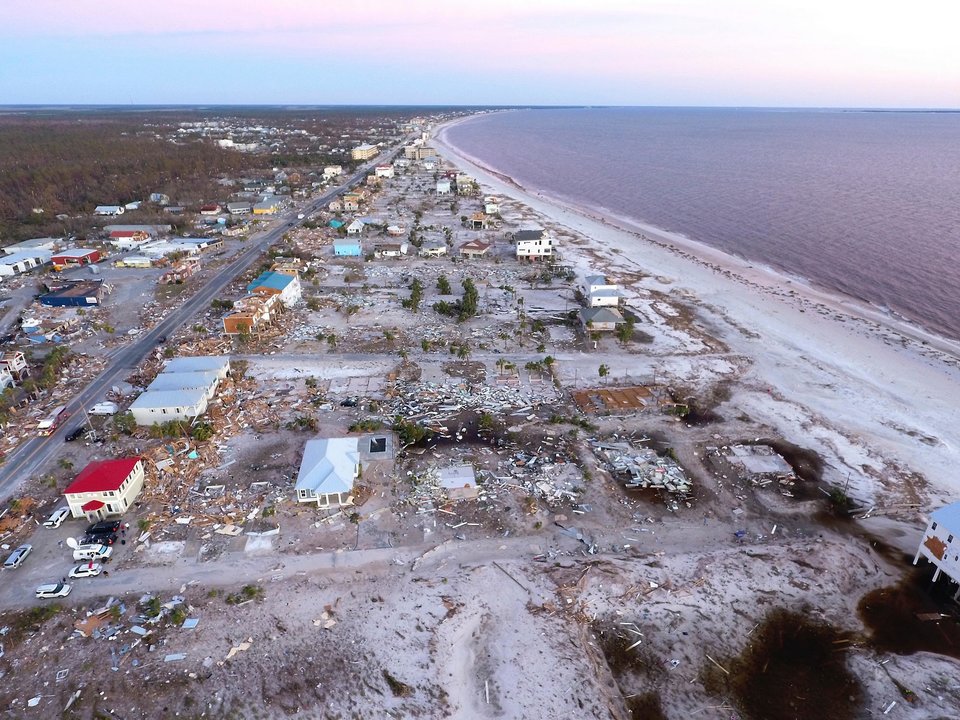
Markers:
{"x": 748, "y": 271}
{"x": 872, "y": 394}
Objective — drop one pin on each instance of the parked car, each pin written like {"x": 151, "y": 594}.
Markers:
{"x": 104, "y": 527}
{"x": 17, "y": 556}
{"x": 162, "y": 339}
{"x": 99, "y": 539}
{"x": 88, "y": 569}
{"x": 74, "y": 434}
{"x": 57, "y": 517}
{"x": 92, "y": 552}
{"x": 57, "y": 590}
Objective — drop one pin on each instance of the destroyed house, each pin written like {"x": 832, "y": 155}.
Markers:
{"x": 327, "y": 471}
{"x": 941, "y": 543}
{"x": 23, "y": 261}
{"x": 105, "y": 488}
{"x": 251, "y": 313}
{"x": 79, "y": 293}
{"x": 271, "y": 282}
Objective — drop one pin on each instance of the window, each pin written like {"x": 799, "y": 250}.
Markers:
{"x": 933, "y": 527}
{"x": 949, "y": 538}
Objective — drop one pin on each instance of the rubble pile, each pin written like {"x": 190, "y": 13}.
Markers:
{"x": 548, "y": 473}
{"x": 434, "y": 405}
{"x": 644, "y": 468}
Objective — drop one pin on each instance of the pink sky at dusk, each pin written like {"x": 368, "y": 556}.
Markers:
{"x": 699, "y": 52}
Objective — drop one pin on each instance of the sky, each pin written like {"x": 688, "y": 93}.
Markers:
{"x": 773, "y": 53}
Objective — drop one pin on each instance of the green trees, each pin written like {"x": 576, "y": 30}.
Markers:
{"x": 416, "y": 296}
{"x": 625, "y": 331}
{"x": 125, "y": 423}
{"x": 443, "y": 285}
{"x": 464, "y": 308}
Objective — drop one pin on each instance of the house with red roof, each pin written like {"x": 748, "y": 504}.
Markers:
{"x": 105, "y": 488}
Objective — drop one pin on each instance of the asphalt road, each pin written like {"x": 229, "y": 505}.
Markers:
{"x": 32, "y": 455}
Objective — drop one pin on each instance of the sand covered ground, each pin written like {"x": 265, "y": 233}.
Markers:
{"x": 876, "y": 396}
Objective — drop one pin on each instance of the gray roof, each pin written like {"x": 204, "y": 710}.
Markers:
{"x": 169, "y": 399}
{"x": 183, "y": 381}
{"x": 605, "y": 292}
{"x": 530, "y": 234}
{"x": 600, "y": 315}
{"x": 328, "y": 465}
{"x": 197, "y": 364}
{"x": 948, "y": 516}
{"x": 152, "y": 229}
{"x": 32, "y": 244}
{"x": 17, "y": 257}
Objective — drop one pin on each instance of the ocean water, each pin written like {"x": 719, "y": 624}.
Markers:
{"x": 866, "y": 204}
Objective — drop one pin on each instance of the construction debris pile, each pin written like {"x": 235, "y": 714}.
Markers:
{"x": 644, "y": 468}
{"x": 434, "y": 405}
{"x": 548, "y": 473}
{"x": 109, "y": 622}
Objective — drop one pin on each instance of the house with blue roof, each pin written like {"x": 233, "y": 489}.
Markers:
{"x": 347, "y": 247}
{"x": 284, "y": 283}
{"x": 941, "y": 543}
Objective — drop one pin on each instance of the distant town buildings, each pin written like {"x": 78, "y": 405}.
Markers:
{"x": 364, "y": 152}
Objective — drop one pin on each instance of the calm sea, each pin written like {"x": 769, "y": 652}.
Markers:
{"x": 865, "y": 203}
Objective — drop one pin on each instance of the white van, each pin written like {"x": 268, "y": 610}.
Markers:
{"x": 104, "y": 408}
{"x": 92, "y": 552}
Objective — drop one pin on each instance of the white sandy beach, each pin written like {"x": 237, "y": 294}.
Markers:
{"x": 873, "y": 395}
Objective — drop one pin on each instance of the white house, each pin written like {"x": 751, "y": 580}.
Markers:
{"x": 272, "y": 282}
{"x": 109, "y": 210}
{"x": 332, "y": 171}
{"x": 433, "y": 248}
{"x": 327, "y": 471}
{"x": 384, "y": 171}
{"x": 534, "y": 249}
{"x": 105, "y": 488}
{"x": 23, "y": 261}
{"x": 6, "y": 377}
{"x": 355, "y": 228}
{"x": 443, "y": 187}
{"x": 941, "y": 542}
{"x": 156, "y": 407}
{"x": 599, "y": 293}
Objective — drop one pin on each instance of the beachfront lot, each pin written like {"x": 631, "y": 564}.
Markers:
{"x": 616, "y": 601}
